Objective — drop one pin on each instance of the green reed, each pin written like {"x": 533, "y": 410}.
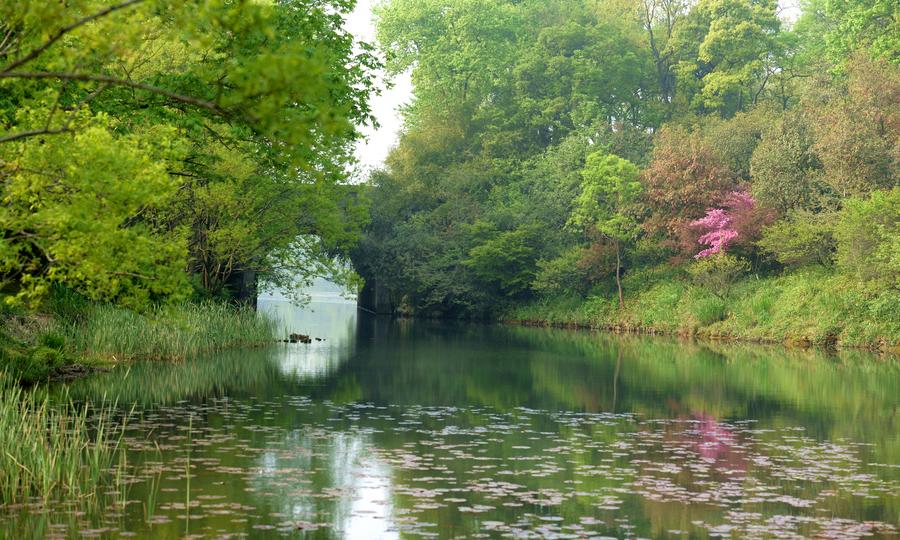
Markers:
{"x": 53, "y": 452}
{"x": 172, "y": 332}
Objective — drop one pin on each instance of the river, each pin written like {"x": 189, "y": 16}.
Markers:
{"x": 428, "y": 429}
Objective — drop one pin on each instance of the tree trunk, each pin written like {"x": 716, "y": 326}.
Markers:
{"x": 619, "y": 275}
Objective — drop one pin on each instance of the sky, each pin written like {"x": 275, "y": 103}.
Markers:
{"x": 372, "y": 150}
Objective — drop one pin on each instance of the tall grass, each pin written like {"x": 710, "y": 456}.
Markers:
{"x": 169, "y": 332}
{"x": 52, "y": 452}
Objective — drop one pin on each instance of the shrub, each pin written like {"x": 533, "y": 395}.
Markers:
{"x": 803, "y": 238}
{"x": 52, "y": 340}
{"x": 508, "y": 260}
{"x": 718, "y": 273}
{"x": 564, "y": 274}
{"x": 868, "y": 238}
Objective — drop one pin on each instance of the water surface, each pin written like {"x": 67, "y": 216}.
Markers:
{"x": 420, "y": 429}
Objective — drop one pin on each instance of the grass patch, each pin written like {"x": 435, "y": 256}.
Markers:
{"x": 172, "y": 332}
{"x": 813, "y": 305}
{"x": 38, "y": 347}
{"x": 52, "y": 453}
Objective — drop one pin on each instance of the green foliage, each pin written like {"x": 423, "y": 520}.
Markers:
{"x": 608, "y": 189}
{"x": 156, "y": 136}
{"x": 857, "y": 129}
{"x": 708, "y": 309}
{"x": 809, "y": 306}
{"x": 507, "y": 259}
{"x": 609, "y": 134}
{"x": 31, "y": 351}
{"x": 803, "y": 238}
{"x": 565, "y": 274}
{"x": 786, "y": 172}
{"x": 868, "y": 238}
{"x": 868, "y": 24}
{"x": 718, "y": 273}
{"x": 725, "y": 48}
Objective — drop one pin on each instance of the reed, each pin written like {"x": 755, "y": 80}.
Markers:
{"x": 173, "y": 332}
{"x": 53, "y": 452}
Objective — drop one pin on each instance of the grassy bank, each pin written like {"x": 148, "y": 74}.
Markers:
{"x": 167, "y": 333}
{"x": 69, "y": 332}
{"x": 811, "y": 306}
{"x": 53, "y": 453}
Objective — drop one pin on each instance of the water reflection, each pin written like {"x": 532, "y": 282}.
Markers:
{"x": 391, "y": 429}
{"x": 330, "y": 322}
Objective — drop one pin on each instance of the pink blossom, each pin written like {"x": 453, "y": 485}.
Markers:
{"x": 718, "y": 225}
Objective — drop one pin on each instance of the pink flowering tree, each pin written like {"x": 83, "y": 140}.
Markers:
{"x": 723, "y": 227}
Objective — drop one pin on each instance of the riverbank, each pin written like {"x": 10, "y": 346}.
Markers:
{"x": 807, "y": 307}
{"x": 73, "y": 336}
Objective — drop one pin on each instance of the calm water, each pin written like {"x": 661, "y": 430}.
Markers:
{"x": 402, "y": 429}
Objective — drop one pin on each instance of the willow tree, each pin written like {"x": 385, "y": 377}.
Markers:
{"x": 145, "y": 141}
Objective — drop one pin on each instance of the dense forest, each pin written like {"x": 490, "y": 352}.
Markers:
{"x": 713, "y": 166}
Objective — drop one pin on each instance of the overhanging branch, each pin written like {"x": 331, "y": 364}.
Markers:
{"x": 89, "y": 77}
{"x": 65, "y": 30}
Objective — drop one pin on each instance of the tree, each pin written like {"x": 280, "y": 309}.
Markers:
{"x": 787, "y": 173}
{"x": 856, "y": 129}
{"x": 863, "y": 24}
{"x": 738, "y": 222}
{"x": 726, "y": 52}
{"x": 507, "y": 259}
{"x": 609, "y": 189}
{"x": 685, "y": 177}
{"x": 198, "y": 119}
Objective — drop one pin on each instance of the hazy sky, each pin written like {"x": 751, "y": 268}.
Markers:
{"x": 372, "y": 151}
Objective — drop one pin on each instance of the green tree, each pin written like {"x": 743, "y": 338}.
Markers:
{"x": 863, "y": 24}
{"x": 786, "y": 172}
{"x": 176, "y": 135}
{"x": 609, "y": 189}
{"x": 727, "y": 51}
{"x": 803, "y": 238}
{"x": 507, "y": 259}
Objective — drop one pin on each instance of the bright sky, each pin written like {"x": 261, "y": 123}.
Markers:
{"x": 372, "y": 151}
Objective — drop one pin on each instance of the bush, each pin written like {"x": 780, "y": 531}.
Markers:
{"x": 804, "y": 238}
{"x": 868, "y": 238}
{"x": 31, "y": 360}
{"x": 52, "y": 340}
{"x": 564, "y": 274}
{"x": 718, "y": 273}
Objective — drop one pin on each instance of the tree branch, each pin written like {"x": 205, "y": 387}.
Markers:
{"x": 65, "y": 30}
{"x": 115, "y": 81}
{"x": 33, "y": 133}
